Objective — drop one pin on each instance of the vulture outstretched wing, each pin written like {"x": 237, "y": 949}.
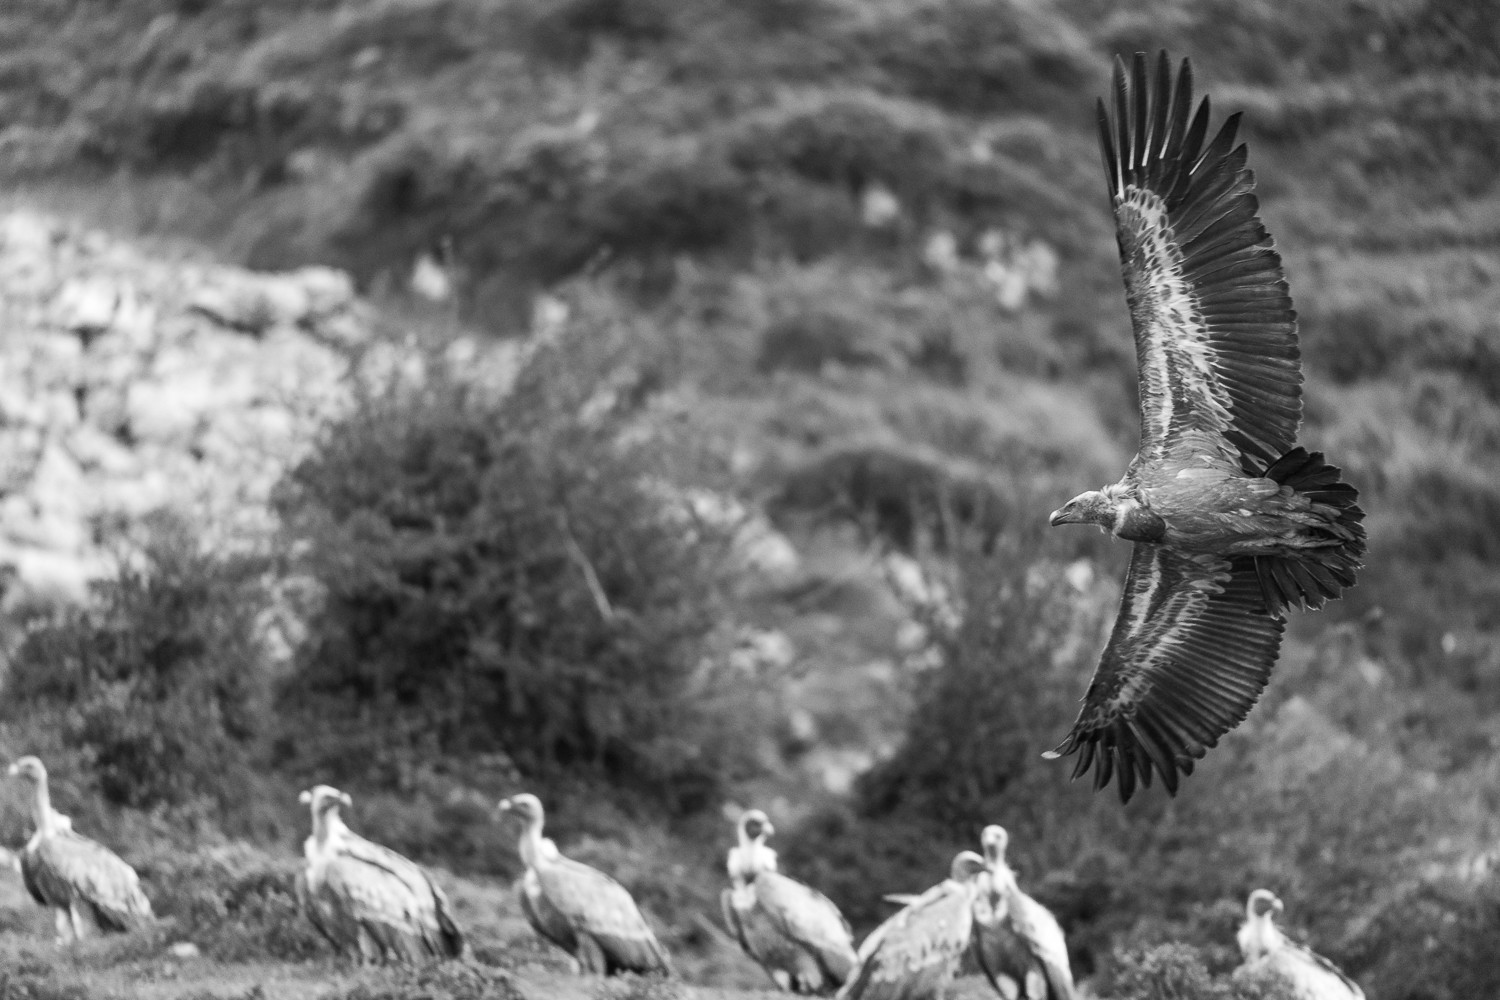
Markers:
{"x": 1191, "y": 650}
{"x": 1215, "y": 334}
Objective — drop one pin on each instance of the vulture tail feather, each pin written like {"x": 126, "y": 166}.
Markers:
{"x": 1309, "y": 577}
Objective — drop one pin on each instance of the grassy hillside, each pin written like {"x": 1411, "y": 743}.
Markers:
{"x": 849, "y": 265}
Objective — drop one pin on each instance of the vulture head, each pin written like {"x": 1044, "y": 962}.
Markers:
{"x": 30, "y": 768}
{"x": 525, "y": 807}
{"x": 756, "y": 825}
{"x": 995, "y": 840}
{"x": 967, "y": 866}
{"x": 324, "y": 798}
{"x": 1094, "y": 507}
{"x": 1262, "y": 904}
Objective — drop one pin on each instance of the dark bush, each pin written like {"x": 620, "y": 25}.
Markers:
{"x": 237, "y": 904}
{"x": 1176, "y": 972}
{"x": 161, "y": 681}
{"x": 506, "y": 575}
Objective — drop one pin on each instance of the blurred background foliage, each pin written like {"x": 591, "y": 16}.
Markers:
{"x": 847, "y": 263}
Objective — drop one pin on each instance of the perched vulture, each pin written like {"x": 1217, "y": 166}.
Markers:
{"x": 580, "y": 909}
{"x": 1232, "y": 522}
{"x": 917, "y": 951}
{"x": 367, "y": 900}
{"x": 1017, "y": 940}
{"x": 1311, "y": 976}
{"x": 795, "y": 932}
{"x": 88, "y": 887}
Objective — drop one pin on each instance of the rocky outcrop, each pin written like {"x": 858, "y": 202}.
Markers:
{"x": 129, "y": 384}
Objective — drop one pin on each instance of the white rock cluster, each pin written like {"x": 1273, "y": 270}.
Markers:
{"x": 129, "y": 384}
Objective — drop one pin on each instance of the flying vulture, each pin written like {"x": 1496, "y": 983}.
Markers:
{"x": 1017, "y": 940}
{"x": 795, "y": 932}
{"x": 917, "y": 951}
{"x": 1311, "y": 976}
{"x": 367, "y": 900}
{"x": 89, "y": 889}
{"x": 580, "y": 909}
{"x": 1232, "y": 522}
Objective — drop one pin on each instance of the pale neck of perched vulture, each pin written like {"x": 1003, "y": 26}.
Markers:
{"x": 328, "y": 826}
{"x": 41, "y": 809}
{"x": 752, "y": 856}
{"x": 533, "y": 847}
{"x": 1260, "y": 935}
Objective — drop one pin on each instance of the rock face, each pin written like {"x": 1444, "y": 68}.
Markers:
{"x": 130, "y": 384}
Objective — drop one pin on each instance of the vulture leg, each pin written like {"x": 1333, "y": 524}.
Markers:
{"x": 64, "y": 924}
{"x": 591, "y": 956}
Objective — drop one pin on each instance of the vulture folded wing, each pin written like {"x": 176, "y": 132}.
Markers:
{"x": 30, "y": 875}
{"x": 1215, "y": 334}
{"x": 89, "y": 872}
{"x": 597, "y": 905}
{"x": 1322, "y": 969}
{"x": 1036, "y": 924}
{"x": 394, "y": 893}
{"x": 809, "y": 918}
{"x": 545, "y": 918}
{"x": 915, "y": 952}
{"x": 1191, "y": 650}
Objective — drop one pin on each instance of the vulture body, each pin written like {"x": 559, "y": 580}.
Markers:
{"x": 915, "y": 954}
{"x": 367, "y": 900}
{"x": 578, "y": 908}
{"x": 1232, "y": 523}
{"x": 1017, "y": 941}
{"x": 795, "y": 932}
{"x": 85, "y": 884}
{"x": 1265, "y": 947}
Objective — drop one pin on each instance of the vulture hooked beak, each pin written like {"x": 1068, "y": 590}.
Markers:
{"x": 1066, "y": 514}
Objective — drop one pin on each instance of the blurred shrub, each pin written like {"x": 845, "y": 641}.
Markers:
{"x": 505, "y": 575}
{"x": 1432, "y": 941}
{"x": 437, "y": 981}
{"x": 906, "y": 497}
{"x": 160, "y": 683}
{"x": 1006, "y": 630}
{"x": 1175, "y": 972}
{"x": 234, "y": 902}
{"x": 977, "y": 55}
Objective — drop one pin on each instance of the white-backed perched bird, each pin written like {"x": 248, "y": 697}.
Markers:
{"x": 1311, "y": 976}
{"x": 795, "y": 932}
{"x": 367, "y": 900}
{"x": 1232, "y": 522}
{"x": 578, "y": 908}
{"x": 1017, "y": 940}
{"x": 89, "y": 889}
{"x": 915, "y": 954}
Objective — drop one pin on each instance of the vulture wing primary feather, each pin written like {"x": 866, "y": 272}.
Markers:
{"x": 1232, "y": 522}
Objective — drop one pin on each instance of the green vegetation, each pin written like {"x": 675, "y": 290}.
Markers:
{"x": 845, "y": 262}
